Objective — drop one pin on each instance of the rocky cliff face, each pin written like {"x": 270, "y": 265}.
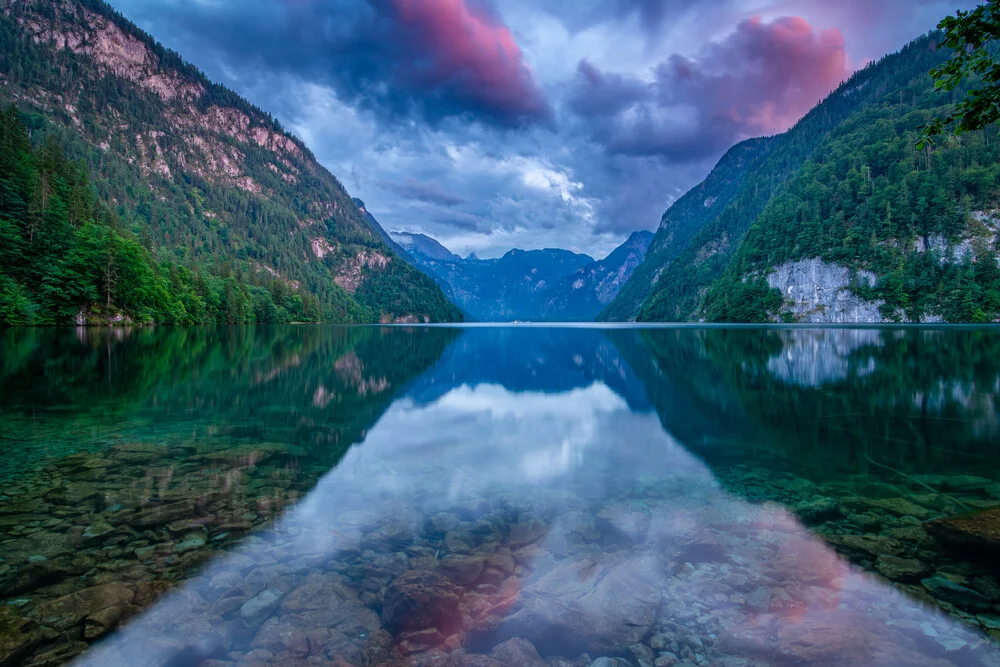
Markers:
{"x": 820, "y": 293}
{"x": 584, "y": 293}
{"x": 201, "y": 168}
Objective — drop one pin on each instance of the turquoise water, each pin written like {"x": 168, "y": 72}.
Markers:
{"x": 500, "y": 495}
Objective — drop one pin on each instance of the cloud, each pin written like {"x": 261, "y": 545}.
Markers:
{"x": 465, "y": 59}
{"x": 492, "y": 124}
{"x": 759, "y": 80}
{"x": 409, "y": 60}
{"x": 411, "y": 188}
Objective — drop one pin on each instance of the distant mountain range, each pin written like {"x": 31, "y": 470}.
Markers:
{"x": 547, "y": 285}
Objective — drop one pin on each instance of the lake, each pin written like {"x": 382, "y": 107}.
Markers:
{"x": 484, "y": 496}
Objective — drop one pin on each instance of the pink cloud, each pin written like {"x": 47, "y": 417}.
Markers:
{"x": 470, "y": 55}
{"x": 765, "y": 76}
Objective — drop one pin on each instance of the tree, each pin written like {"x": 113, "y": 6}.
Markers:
{"x": 972, "y": 37}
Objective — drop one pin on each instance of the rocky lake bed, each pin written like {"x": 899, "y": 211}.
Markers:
{"x": 327, "y": 504}
{"x": 663, "y": 571}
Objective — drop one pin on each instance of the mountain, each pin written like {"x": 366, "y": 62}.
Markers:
{"x": 512, "y": 287}
{"x": 548, "y": 285}
{"x": 380, "y": 230}
{"x": 580, "y": 296}
{"x": 428, "y": 248}
{"x": 843, "y": 220}
{"x": 204, "y": 190}
{"x": 684, "y": 219}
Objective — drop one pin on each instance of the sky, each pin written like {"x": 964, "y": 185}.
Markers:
{"x": 494, "y": 124}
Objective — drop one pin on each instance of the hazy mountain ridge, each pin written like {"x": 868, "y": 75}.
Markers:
{"x": 531, "y": 285}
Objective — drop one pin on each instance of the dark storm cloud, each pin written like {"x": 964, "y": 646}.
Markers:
{"x": 758, "y": 81}
{"x": 431, "y": 193}
{"x": 491, "y": 124}
{"x": 403, "y": 58}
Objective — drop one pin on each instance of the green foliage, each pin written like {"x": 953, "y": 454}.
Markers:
{"x": 65, "y": 258}
{"x": 685, "y": 218}
{"x": 869, "y": 200}
{"x": 212, "y": 240}
{"x": 847, "y": 185}
{"x": 971, "y": 36}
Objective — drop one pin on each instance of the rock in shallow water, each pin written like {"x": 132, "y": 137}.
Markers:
{"x": 419, "y": 599}
{"x": 956, "y": 594}
{"x": 977, "y": 531}
{"x": 517, "y": 651}
{"x": 70, "y": 610}
{"x": 591, "y": 606}
{"x": 902, "y": 569}
{"x": 17, "y": 636}
{"x": 256, "y": 610}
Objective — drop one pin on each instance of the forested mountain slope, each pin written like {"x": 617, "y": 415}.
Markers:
{"x": 871, "y": 229}
{"x": 210, "y": 187}
{"x": 845, "y": 191}
{"x": 685, "y": 218}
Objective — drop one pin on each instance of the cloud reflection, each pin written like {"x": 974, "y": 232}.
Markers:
{"x": 503, "y": 523}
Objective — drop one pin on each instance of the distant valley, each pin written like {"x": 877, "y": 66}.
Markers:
{"x": 549, "y": 285}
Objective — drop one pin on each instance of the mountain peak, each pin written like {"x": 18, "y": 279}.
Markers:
{"x": 423, "y": 245}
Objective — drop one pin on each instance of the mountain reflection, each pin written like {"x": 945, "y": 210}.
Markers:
{"x": 579, "y": 497}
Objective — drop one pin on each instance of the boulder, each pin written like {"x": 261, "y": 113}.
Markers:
{"x": 162, "y": 514}
{"x": 956, "y": 594}
{"x": 323, "y": 619}
{"x": 96, "y": 602}
{"x": 902, "y": 569}
{"x": 442, "y": 522}
{"x": 978, "y": 531}
{"x": 590, "y": 606}
{"x": 256, "y": 610}
{"x": 518, "y": 652}
{"x": 18, "y": 636}
{"x": 526, "y": 532}
{"x": 420, "y": 599}
{"x": 894, "y": 506}
{"x": 463, "y": 570}
{"x": 819, "y": 510}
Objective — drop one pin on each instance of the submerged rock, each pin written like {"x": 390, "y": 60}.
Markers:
{"x": 18, "y": 636}
{"x": 956, "y": 594}
{"x": 978, "y": 531}
{"x": 902, "y": 569}
{"x": 596, "y": 607}
{"x": 256, "y": 610}
{"x": 819, "y": 510}
{"x": 90, "y": 603}
{"x": 519, "y": 652}
{"x": 420, "y": 599}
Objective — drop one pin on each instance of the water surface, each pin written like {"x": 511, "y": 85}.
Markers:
{"x": 485, "y": 496}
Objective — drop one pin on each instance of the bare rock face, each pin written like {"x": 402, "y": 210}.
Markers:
{"x": 818, "y": 292}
